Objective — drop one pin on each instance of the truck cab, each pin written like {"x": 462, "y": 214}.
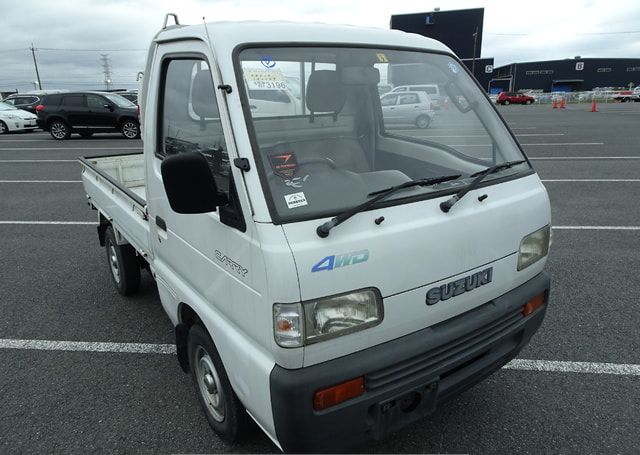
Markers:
{"x": 330, "y": 275}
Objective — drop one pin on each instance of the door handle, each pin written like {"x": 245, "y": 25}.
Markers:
{"x": 161, "y": 224}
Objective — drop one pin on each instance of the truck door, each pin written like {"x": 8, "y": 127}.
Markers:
{"x": 200, "y": 259}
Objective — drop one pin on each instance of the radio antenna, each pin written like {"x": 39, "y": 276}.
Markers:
{"x": 206, "y": 29}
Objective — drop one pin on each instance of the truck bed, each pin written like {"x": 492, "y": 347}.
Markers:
{"x": 115, "y": 186}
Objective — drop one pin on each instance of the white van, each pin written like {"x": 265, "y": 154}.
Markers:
{"x": 329, "y": 278}
{"x": 432, "y": 91}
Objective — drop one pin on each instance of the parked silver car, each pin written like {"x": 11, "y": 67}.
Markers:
{"x": 413, "y": 108}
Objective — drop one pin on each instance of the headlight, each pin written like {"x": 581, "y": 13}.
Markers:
{"x": 534, "y": 247}
{"x": 326, "y": 318}
{"x": 12, "y": 117}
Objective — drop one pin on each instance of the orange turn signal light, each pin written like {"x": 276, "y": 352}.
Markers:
{"x": 325, "y": 398}
{"x": 533, "y": 304}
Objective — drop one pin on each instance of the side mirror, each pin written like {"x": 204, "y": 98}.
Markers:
{"x": 189, "y": 184}
{"x": 108, "y": 106}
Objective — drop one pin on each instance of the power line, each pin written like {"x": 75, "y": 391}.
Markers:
{"x": 587, "y": 33}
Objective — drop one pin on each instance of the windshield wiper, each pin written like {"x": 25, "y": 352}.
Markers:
{"x": 324, "y": 228}
{"x": 479, "y": 176}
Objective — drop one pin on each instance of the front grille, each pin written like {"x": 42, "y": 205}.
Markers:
{"x": 444, "y": 360}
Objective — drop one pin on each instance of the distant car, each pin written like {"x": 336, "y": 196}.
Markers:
{"x": 14, "y": 119}
{"x": 505, "y": 98}
{"x": 131, "y": 96}
{"x": 24, "y": 101}
{"x": 432, "y": 91}
{"x": 407, "y": 108}
{"x": 86, "y": 113}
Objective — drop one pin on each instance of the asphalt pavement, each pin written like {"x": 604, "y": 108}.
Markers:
{"x": 56, "y": 287}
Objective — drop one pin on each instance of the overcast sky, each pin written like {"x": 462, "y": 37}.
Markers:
{"x": 70, "y": 35}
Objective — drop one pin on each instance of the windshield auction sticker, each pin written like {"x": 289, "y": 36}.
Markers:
{"x": 265, "y": 79}
{"x": 284, "y": 164}
{"x": 295, "y": 200}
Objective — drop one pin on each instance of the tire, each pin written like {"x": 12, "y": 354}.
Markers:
{"x": 59, "y": 130}
{"x": 528, "y": 102}
{"x": 423, "y": 121}
{"x": 4, "y": 129}
{"x": 130, "y": 129}
{"x": 506, "y": 102}
{"x": 123, "y": 264}
{"x": 86, "y": 135}
{"x": 221, "y": 406}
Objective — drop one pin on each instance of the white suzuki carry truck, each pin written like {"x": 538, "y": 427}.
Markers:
{"x": 330, "y": 276}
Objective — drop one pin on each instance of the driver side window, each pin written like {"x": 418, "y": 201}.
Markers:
{"x": 190, "y": 117}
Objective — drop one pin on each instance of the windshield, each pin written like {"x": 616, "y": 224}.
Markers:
{"x": 7, "y": 107}
{"x": 119, "y": 100}
{"x": 327, "y": 132}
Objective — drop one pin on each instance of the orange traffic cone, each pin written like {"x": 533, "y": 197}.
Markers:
{"x": 554, "y": 104}
{"x": 594, "y": 106}
{"x": 562, "y": 104}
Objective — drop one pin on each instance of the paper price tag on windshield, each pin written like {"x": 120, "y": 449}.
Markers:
{"x": 264, "y": 79}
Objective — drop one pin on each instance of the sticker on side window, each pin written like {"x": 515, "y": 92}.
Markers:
{"x": 284, "y": 164}
{"x": 295, "y": 200}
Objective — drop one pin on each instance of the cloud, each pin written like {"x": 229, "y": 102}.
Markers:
{"x": 544, "y": 31}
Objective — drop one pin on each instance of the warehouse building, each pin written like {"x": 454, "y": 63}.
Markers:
{"x": 569, "y": 75}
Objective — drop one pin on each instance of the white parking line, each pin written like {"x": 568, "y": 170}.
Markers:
{"x": 13, "y": 149}
{"x": 584, "y": 158}
{"x": 39, "y": 161}
{"x": 574, "y": 367}
{"x": 153, "y": 348}
{"x": 83, "y": 346}
{"x": 598, "y": 228}
{"x": 49, "y": 222}
{"x": 40, "y": 181}
{"x": 590, "y": 180}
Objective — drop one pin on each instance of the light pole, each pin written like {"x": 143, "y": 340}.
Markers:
{"x": 33, "y": 53}
{"x": 473, "y": 61}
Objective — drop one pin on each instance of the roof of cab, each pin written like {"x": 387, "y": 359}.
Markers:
{"x": 227, "y": 35}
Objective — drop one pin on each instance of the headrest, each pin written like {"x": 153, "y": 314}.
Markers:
{"x": 360, "y": 75}
{"x": 325, "y": 92}
{"x": 203, "y": 96}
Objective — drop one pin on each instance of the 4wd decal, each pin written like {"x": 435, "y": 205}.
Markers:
{"x": 231, "y": 264}
{"x": 341, "y": 260}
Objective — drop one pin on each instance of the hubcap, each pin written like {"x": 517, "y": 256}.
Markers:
{"x": 130, "y": 130}
{"x": 113, "y": 262}
{"x": 3, "y": 129}
{"x": 209, "y": 384}
{"x": 58, "y": 130}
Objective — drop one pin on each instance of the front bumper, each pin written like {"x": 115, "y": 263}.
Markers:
{"x": 405, "y": 379}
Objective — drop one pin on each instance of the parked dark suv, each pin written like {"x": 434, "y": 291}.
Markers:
{"x": 86, "y": 113}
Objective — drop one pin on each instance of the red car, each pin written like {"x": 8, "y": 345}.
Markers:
{"x": 514, "y": 98}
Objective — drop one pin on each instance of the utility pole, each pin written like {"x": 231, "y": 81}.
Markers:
{"x": 33, "y": 53}
{"x": 106, "y": 69}
{"x": 473, "y": 61}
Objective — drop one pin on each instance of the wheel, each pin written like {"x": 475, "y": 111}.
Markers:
{"x": 123, "y": 263}
{"x": 505, "y": 102}
{"x": 423, "y": 121}
{"x": 130, "y": 129}
{"x": 85, "y": 135}
{"x": 223, "y": 409}
{"x": 4, "y": 129}
{"x": 59, "y": 130}
{"x": 527, "y": 102}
